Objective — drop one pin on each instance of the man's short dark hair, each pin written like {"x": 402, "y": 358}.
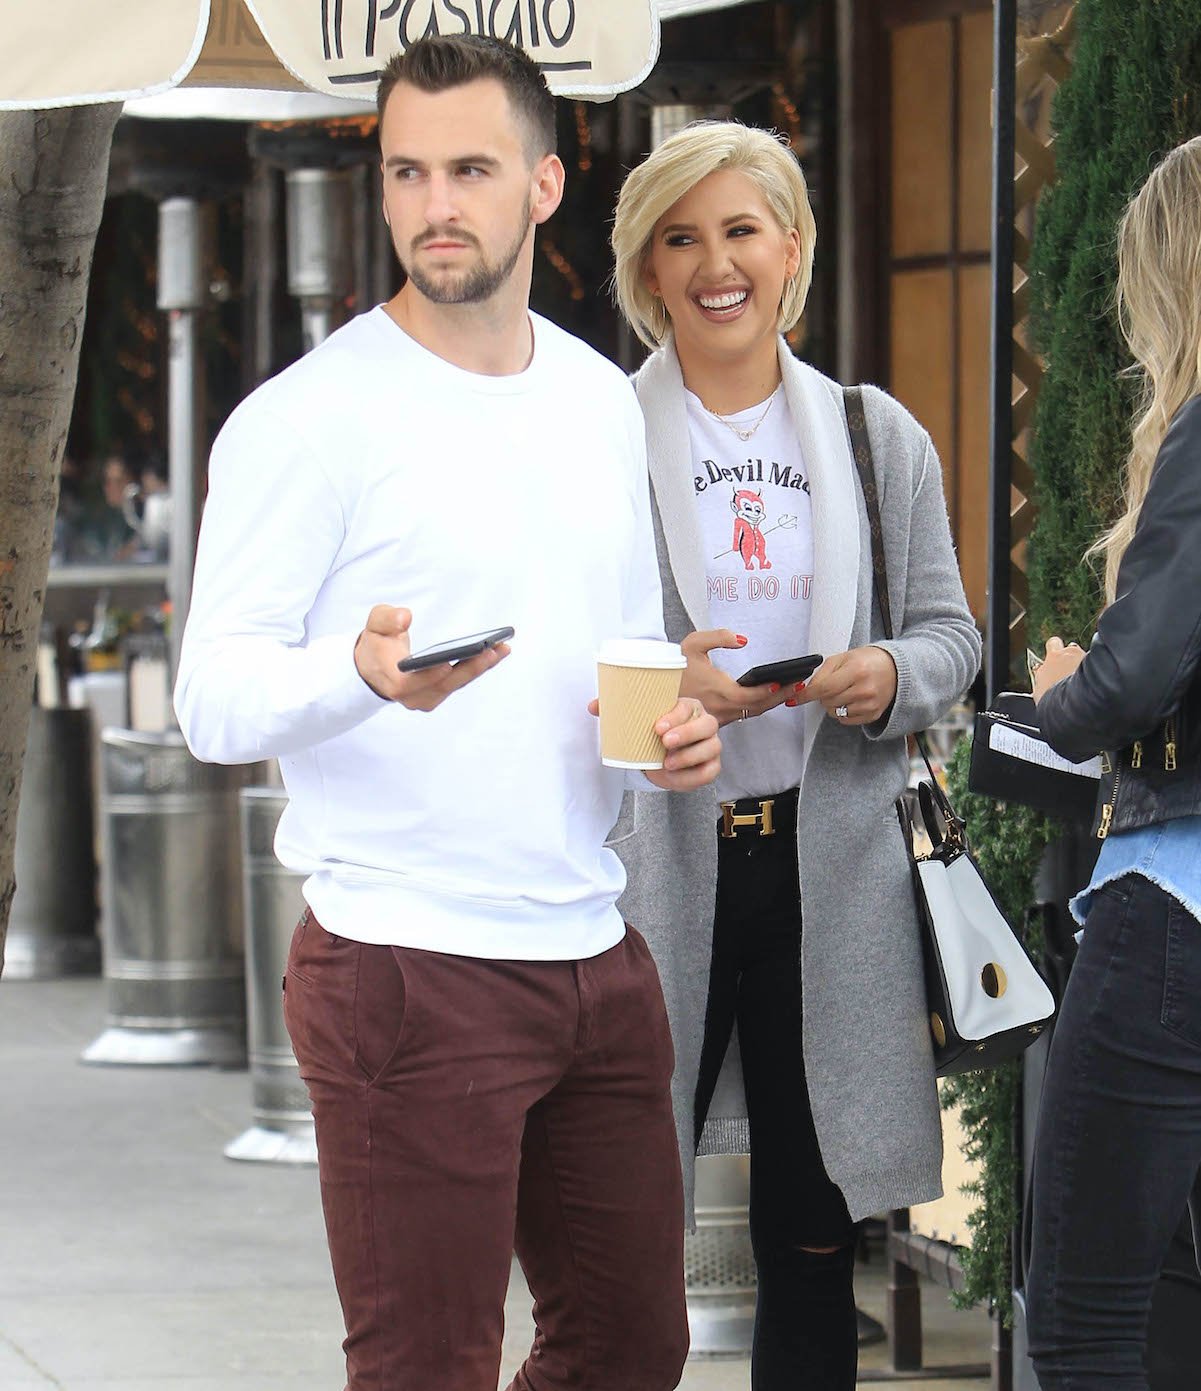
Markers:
{"x": 440, "y": 62}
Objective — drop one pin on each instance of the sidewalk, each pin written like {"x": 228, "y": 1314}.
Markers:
{"x": 135, "y": 1257}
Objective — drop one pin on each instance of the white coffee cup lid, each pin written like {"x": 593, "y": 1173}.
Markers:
{"x": 641, "y": 652}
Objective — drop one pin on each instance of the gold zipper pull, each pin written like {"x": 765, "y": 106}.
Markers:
{"x": 1169, "y": 748}
{"x": 1136, "y": 754}
{"x": 1106, "y": 818}
{"x": 1106, "y": 763}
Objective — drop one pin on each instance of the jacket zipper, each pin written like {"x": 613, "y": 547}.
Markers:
{"x": 1108, "y": 809}
{"x": 1136, "y": 761}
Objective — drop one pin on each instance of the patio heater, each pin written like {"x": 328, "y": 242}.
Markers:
{"x": 172, "y": 912}
{"x": 671, "y": 116}
{"x": 172, "y": 872}
{"x": 319, "y": 272}
{"x": 321, "y": 276}
{"x": 318, "y": 226}
{"x": 319, "y": 249}
{"x": 182, "y": 295}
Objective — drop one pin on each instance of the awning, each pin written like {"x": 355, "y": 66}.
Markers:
{"x": 72, "y": 52}
{"x": 676, "y": 9}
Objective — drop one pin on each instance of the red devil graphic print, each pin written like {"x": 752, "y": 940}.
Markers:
{"x": 749, "y": 543}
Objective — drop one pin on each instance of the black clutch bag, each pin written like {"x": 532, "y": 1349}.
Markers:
{"x": 1012, "y": 762}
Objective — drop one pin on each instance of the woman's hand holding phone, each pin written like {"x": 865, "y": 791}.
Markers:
{"x": 855, "y": 687}
{"x": 720, "y": 694}
{"x": 1059, "y": 663}
{"x": 385, "y": 641}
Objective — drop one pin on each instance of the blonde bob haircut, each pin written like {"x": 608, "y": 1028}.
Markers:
{"x": 671, "y": 171}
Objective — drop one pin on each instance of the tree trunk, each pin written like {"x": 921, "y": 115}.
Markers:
{"x": 53, "y": 173}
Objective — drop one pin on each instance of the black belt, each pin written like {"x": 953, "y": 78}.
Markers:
{"x": 759, "y": 816}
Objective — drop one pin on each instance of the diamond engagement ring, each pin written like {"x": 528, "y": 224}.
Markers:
{"x": 841, "y": 711}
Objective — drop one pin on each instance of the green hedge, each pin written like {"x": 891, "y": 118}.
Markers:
{"x": 1134, "y": 92}
{"x": 1008, "y": 842}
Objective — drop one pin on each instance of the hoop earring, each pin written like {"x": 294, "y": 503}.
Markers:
{"x": 657, "y": 319}
{"x": 788, "y": 298}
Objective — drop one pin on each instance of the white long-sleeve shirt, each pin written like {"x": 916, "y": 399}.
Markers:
{"x": 372, "y": 471}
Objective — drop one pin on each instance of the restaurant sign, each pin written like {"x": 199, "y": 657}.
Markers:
{"x": 71, "y": 52}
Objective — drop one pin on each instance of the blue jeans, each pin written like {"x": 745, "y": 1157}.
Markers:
{"x": 1118, "y": 1148}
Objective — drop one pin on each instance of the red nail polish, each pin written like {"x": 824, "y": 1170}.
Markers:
{"x": 790, "y": 703}
{"x": 800, "y": 685}
{"x": 741, "y": 639}
{"x": 774, "y": 687}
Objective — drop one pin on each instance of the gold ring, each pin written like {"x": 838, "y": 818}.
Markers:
{"x": 745, "y": 713}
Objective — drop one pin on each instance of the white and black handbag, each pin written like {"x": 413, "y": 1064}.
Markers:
{"x": 987, "y": 1001}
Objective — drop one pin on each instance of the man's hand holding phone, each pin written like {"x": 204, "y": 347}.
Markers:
{"x": 384, "y": 642}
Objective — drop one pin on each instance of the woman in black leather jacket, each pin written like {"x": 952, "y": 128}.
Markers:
{"x": 1118, "y": 1149}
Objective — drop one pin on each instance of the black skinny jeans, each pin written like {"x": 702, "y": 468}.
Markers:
{"x": 805, "y": 1326}
{"x": 1119, "y": 1138}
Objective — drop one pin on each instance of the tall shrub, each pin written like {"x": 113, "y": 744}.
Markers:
{"x": 1133, "y": 93}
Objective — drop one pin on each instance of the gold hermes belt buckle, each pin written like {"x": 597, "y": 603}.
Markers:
{"x": 732, "y": 822}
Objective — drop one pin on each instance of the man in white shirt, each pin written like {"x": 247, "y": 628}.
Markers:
{"x": 484, "y": 1041}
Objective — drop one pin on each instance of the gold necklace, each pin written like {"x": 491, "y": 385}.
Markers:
{"x": 745, "y": 434}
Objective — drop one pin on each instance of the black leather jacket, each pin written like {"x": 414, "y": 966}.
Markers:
{"x": 1136, "y": 697}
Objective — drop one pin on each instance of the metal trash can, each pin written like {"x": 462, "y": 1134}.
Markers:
{"x": 282, "y": 1130}
{"x": 172, "y": 905}
{"x": 52, "y": 925}
{"x": 720, "y": 1283}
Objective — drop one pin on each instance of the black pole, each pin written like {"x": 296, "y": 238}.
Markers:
{"x": 997, "y": 654}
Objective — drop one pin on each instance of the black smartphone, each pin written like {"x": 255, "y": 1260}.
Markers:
{"x": 456, "y": 650}
{"x": 788, "y": 672}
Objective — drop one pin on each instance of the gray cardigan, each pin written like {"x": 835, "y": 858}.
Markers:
{"x": 867, "y": 1049}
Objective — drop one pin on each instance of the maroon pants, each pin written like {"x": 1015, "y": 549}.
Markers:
{"x": 466, "y": 1108}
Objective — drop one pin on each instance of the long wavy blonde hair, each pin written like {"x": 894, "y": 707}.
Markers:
{"x": 1159, "y": 309}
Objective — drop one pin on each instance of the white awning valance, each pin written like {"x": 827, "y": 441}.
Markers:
{"x": 677, "y": 9}
{"x": 72, "y": 52}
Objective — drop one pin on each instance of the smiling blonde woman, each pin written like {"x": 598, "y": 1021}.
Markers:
{"x": 765, "y": 555}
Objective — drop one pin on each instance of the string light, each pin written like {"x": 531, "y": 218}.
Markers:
{"x": 564, "y": 267}
{"x": 144, "y": 325}
{"x": 137, "y": 412}
{"x": 339, "y": 127}
{"x": 792, "y": 117}
{"x": 583, "y": 131}
{"x": 139, "y": 366}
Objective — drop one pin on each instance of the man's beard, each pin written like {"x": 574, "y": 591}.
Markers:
{"x": 475, "y": 285}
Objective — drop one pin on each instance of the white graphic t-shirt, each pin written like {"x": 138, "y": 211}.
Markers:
{"x": 756, "y": 522}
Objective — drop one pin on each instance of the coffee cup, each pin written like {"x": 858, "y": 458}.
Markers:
{"x": 638, "y": 682}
